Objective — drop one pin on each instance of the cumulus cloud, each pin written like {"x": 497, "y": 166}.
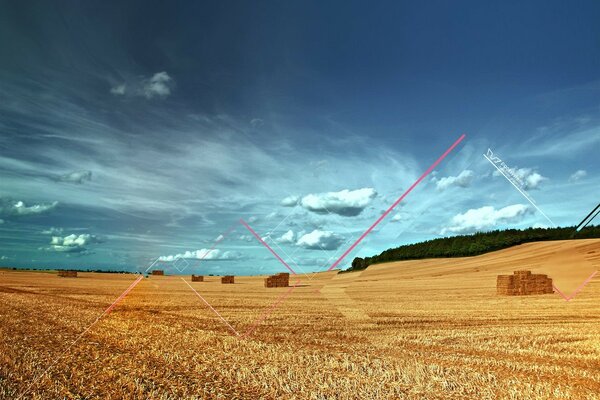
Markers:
{"x": 396, "y": 217}
{"x": 529, "y": 178}
{"x": 15, "y": 208}
{"x": 76, "y": 177}
{"x": 318, "y": 239}
{"x": 347, "y": 203}
{"x": 290, "y": 201}
{"x": 287, "y": 237}
{"x": 72, "y": 243}
{"x": 203, "y": 254}
{"x": 485, "y": 218}
{"x": 463, "y": 180}
{"x": 577, "y": 175}
{"x": 158, "y": 85}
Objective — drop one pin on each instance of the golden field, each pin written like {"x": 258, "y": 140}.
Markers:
{"x": 429, "y": 329}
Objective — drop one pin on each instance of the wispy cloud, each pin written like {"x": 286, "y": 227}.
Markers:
{"x": 76, "y": 177}
{"x": 578, "y": 175}
{"x": 158, "y": 85}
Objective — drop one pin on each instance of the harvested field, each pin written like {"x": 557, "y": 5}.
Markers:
{"x": 429, "y": 329}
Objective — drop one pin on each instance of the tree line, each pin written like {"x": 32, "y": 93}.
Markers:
{"x": 474, "y": 244}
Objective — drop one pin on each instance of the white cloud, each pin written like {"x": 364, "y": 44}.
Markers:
{"x": 290, "y": 201}
{"x": 203, "y": 254}
{"x": 252, "y": 219}
{"x": 485, "y": 218}
{"x": 287, "y": 237}
{"x": 76, "y": 177}
{"x": 527, "y": 176}
{"x": 118, "y": 90}
{"x": 347, "y": 203}
{"x": 577, "y": 175}
{"x": 158, "y": 85}
{"x": 317, "y": 239}
{"x": 463, "y": 180}
{"x": 72, "y": 243}
{"x": 15, "y": 208}
{"x": 396, "y": 217}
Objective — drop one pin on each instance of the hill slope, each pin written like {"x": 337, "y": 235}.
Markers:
{"x": 472, "y": 245}
{"x": 568, "y": 262}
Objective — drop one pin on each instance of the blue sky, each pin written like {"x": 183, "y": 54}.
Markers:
{"x": 131, "y": 132}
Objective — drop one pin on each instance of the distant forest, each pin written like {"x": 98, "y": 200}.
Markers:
{"x": 472, "y": 245}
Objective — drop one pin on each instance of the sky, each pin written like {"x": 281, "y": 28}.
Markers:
{"x": 138, "y": 134}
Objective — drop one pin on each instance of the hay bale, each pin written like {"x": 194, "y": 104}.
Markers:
{"x": 523, "y": 283}
{"x": 227, "y": 279}
{"x": 67, "y": 274}
{"x": 158, "y": 272}
{"x": 197, "y": 278}
{"x": 281, "y": 279}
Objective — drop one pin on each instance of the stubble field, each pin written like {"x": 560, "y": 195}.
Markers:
{"x": 430, "y": 329}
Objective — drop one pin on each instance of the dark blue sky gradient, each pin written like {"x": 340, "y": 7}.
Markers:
{"x": 275, "y": 98}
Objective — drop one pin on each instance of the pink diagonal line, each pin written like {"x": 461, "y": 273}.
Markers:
{"x": 270, "y": 310}
{"x": 267, "y": 246}
{"x": 212, "y": 308}
{"x": 567, "y": 298}
{"x": 125, "y": 293}
{"x": 389, "y": 210}
{"x": 579, "y": 289}
{"x": 82, "y": 334}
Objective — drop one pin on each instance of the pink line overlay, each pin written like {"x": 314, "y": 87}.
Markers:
{"x": 108, "y": 310}
{"x": 122, "y": 296}
{"x": 212, "y": 308}
{"x": 389, "y": 210}
{"x": 269, "y": 311}
{"x": 569, "y": 298}
{"x": 267, "y": 246}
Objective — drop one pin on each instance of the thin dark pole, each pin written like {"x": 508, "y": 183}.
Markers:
{"x": 587, "y": 218}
